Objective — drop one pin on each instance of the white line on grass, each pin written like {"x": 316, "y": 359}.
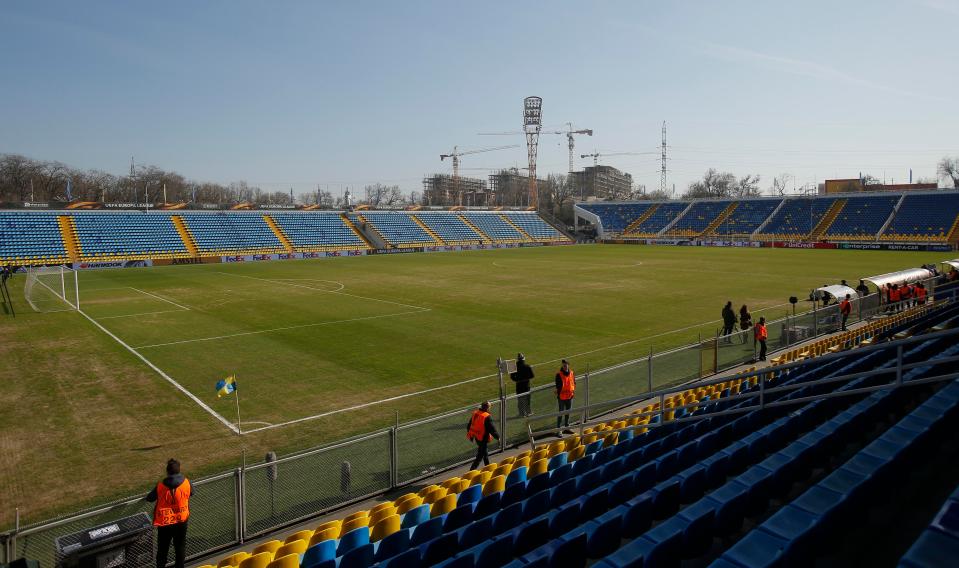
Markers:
{"x": 141, "y": 314}
{"x": 322, "y": 290}
{"x": 160, "y": 298}
{"x": 160, "y": 372}
{"x": 280, "y": 329}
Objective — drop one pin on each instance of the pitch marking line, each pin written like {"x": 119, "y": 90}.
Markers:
{"x": 140, "y": 314}
{"x": 244, "y": 333}
{"x": 160, "y": 372}
{"x": 160, "y": 298}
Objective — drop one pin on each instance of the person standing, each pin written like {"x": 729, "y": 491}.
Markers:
{"x": 921, "y": 294}
{"x": 729, "y": 322}
{"x": 845, "y": 308}
{"x": 760, "y": 335}
{"x": 894, "y": 297}
{"x": 745, "y": 321}
{"x": 565, "y": 390}
{"x": 522, "y": 377}
{"x": 170, "y": 514}
{"x": 862, "y": 289}
{"x": 480, "y": 429}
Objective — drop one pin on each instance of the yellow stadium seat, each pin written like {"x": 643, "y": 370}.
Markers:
{"x": 538, "y": 455}
{"x": 435, "y": 495}
{"x": 296, "y": 547}
{"x": 443, "y": 506}
{"x": 383, "y": 505}
{"x": 353, "y": 525}
{"x": 384, "y": 528}
{"x": 523, "y": 454}
{"x": 299, "y": 535}
{"x": 460, "y": 486}
{"x": 502, "y": 470}
{"x": 233, "y": 559}
{"x": 426, "y": 490}
{"x": 576, "y": 453}
{"x": 356, "y": 515}
{"x": 286, "y": 561}
{"x": 494, "y": 485}
{"x": 589, "y": 439}
{"x": 382, "y": 514}
{"x": 258, "y": 560}
{"x": 450, "y": 482}
{"x": 269, "y": 546}
{"x": 482, "y": 478}
{"x": 329, "y": 533}
{"x": 408, "y": 504}
{"x": 537, "y": 468}
{"x": 491, "y": 467}
{"x": 506, "y": 461}
{"x": 328, "y": 525}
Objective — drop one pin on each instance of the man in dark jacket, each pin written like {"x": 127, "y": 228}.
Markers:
{"x": 729, "y": 321}
{"x": 522, "y": 377}
{"x": 172, "y": 498}
{"x": 480, "y": 429}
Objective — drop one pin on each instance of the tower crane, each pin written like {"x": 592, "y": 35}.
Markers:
{"x": 569, "y": 132}
{"x": 455, "y": 155}
{"x": 596, "y": 155}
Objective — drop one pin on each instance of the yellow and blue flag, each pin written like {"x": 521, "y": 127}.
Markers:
{"x": 226, "y": 386}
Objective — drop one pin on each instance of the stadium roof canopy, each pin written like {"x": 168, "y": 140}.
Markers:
{"x": 909, "y": 275}
{"x": 839, "y": 291}
{"x": 952, "y": 263}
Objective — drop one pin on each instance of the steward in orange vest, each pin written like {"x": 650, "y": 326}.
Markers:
{"x": 480, "y": 429}
{"x": 170, "y": 514}
{"x": 759, "y": 332}
{"x": 845, "y": 308}
{"x": 920, "y": 293}
{"x": 565, "y": 391}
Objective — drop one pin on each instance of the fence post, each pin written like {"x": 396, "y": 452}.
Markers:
{"x": 700, "y": 354}
{"x": 899, "y": 366}
{"x": 649, "y": 370}
{"x": 762, "y": 390}
{"x": 502, "y": 422}
{"x": 815, "y": 319}
{"x": 586, "y": 406}
{"x": 237, "y": 501}
{"x": 394, "y": 473}
{"x": 499, "y": 373}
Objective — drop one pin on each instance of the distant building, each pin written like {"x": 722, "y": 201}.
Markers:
{"x": 443, "y": 190}
{"x": 605, "y": 182}
{"x": 855, "y": 184}
{"x": 510, "y": 188}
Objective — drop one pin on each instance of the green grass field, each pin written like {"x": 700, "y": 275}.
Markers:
{"x": 316, "y": 344}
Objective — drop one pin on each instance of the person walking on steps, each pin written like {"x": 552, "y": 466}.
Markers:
{"x": 745, "y": 321}
{"x": 170, "y": 514}
{"x": 565, "y": 390}
{"x": 480, "y": 429}
{"x": 760, "y": 334}
{"x": 729, "y": 321}
{"x": 522, "y": 377}
{"x": 845, "y": 308}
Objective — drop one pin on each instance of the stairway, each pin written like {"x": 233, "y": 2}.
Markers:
{"x": 834, "y": 210}
{"x": 641, "y": 219}
{"x": 519, "y": 229}
{"x": 185, "y": 235}
{"x": 356, "y": 230}
{"x": 279, "y": 233}
{"x": 953, "y": 235}
{"x": 483, "y": 236}
{"x": 720, "y": 219}
{"x": 68, "y": 231}
{"x": 428, "y": 230}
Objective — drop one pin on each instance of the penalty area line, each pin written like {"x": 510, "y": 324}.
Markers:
{"x": 165, "y": 376}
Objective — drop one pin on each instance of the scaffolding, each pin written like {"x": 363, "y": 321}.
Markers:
{"x": 605, "y": 182}
{"x": 444, "y": 190}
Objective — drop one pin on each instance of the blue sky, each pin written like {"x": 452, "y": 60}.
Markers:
{"x": 303, "y": 93}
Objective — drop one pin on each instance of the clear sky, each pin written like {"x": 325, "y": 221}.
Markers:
{"x": 301, "y": 93}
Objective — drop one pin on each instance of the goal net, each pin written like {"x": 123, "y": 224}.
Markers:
{"x": 52, "y": 289}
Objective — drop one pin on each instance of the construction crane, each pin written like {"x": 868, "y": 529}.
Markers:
{"x": 455, "y": 155}
{"x": 569, "y": 132}
{"x": 596, "y": 155}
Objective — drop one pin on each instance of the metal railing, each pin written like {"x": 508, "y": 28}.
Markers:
{"x": 230, "y": 508}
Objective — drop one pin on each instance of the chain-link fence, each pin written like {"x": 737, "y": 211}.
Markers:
{"x": 229, "y": 508}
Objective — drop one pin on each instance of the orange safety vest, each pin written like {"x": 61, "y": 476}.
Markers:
{"x": 760, "y": 332}
{"x": 845, "y": 307}
{"x": 172, "y": 506}
{"x": 478, "y": 426}
{"x": 894, "y": 295}
{"x": 921, "y": 293}
{"x": 568, "y": 385}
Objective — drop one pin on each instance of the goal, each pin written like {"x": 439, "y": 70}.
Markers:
{"x": 52, "y": 289}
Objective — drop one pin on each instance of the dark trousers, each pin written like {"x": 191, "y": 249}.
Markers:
{"x": 727, "y": 330}
{"x": 481, "y": 454}
{"x": 564, "y": 419}
{"x": 175, "y": 534}
{"x": 844, "y": 318}
{"x": 522, "y": 402}
{"x": 762, "y": 349}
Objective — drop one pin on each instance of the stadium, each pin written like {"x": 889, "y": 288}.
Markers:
{"x": 525, "y": 285}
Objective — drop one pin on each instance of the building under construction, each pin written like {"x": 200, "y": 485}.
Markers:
{"x": 510, "y": 188}
{"x": 445, "y": 190}
{"x": 605, "y": 182}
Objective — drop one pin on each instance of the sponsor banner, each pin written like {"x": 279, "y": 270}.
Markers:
{"x": 798, "y": 245}
{"x": 129, "y": 205}
{"x": 326, "y": 254}
{"x": 894, "y": 246}
{"x": 276, "y": 207}
{"x": 179, "y": 261}
{"x": 729, "y": 243}
{"x": 112, "y": 264}
{"x": 396, "y": 251}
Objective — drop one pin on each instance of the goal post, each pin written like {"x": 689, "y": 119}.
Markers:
{"x": 52, "y": 289}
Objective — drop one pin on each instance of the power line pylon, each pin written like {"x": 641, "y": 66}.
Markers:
{"x": 662, "y": 174}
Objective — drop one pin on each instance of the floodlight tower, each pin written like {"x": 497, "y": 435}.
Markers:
{"x": 532, "y": 124}
{"x": 662, "y": 174}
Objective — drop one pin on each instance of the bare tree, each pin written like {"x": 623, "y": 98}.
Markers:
{"x": 713, "y": 184}
{"x": 747, "y": 186}
{"x": 780, "y": 183}
{"x": 948, "y": 170}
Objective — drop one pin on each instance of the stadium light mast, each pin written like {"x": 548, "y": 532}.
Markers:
{"x": 532, "y": 125}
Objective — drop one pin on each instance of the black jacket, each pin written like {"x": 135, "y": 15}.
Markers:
{"x": 729, "y": 317}
{"x": 171, "y": 481}
{"x": 522, "y": 376}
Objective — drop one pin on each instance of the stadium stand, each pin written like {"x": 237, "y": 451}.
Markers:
{"x": 534, "y": 227}
{"x": 30, "y": 238}
{"x": 231, "y": 233}
{"x": 938, "y": 545}
{"x": 862, "y": 218}
{"x": 747, "y": 217}
{"x": 616, "y": 217}
{"x": 796, "y": 219}
{"x": 396, "y": 228}
{"x": 317, "y": 231}
{"x": 646, "y": 489}
{"x": 494, "y": 226}
{"x": 930, "y": 217}
{"x": 127, "y": 235}
{"x": 698, "y": 218}
{"x": 661, "y": 217}
{"x": 450, "y": 228}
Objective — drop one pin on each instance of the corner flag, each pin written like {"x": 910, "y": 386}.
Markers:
{"x": 226, "y": 386}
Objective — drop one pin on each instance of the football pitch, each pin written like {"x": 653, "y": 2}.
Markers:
{"x": 323, "y": 349}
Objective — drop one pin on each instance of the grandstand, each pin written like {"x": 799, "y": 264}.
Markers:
{"x": 678, "y": 477}
{"x": 49, "y": 237}
{"x": 913, "y": 217}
